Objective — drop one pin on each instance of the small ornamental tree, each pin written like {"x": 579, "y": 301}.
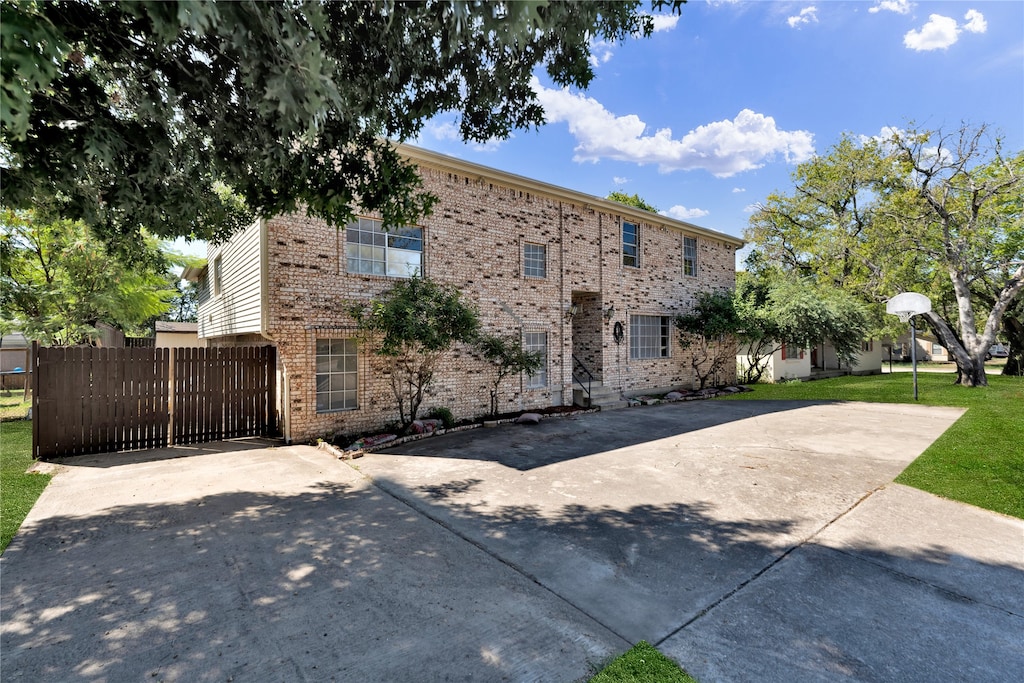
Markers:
{"x": 411, "y": 326}
{"x": 508, "y": 357}
{"x": 709, "y": 334}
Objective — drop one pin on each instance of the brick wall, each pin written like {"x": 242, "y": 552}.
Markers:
{"x": 474, "y": 241}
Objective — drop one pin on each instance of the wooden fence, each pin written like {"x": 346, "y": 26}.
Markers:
{"x": 90, "y": 400}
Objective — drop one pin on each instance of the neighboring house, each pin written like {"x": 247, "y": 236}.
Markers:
{"x": 15, "y": 354}
{"x": 928, "y": 348}
{"x": 571, "y": 275}
{"x": 792, "y": 362}
{"x": 177, "y": 335}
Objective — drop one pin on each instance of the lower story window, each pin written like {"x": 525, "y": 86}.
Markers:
{"x": 791, "y": 351}
{"x": 648, "y": 336}
{"x": 337, "y": 375}
{"x": 537, "y": 342}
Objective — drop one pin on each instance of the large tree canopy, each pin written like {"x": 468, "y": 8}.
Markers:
{"x": 190, "y": 117}
{"x": 929, "y": 211}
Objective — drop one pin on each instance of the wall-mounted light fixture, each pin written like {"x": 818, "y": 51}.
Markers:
{"x": 610, "y": 312}
{"x": 572, "y": 310}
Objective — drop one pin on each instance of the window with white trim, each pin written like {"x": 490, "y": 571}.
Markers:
{"x": 535, "y": 260}
{"x": 791, "y": 351}
{"x": 372, "y": 250}
{"x": 690, "y": 256}
{"x": 217, "y": 268}
{"x": 648, "y": 336}
{"x": 630, "y": 244}
{"x": 867, "y": 346}
{"x": 537, "y": 342}
{"x": 337, "y": 375}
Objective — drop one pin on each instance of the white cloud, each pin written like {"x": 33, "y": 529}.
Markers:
{"x": 722, "y": 148}
{"x": 664, "y": 22}
{"x": 619, "y": 180}
{"x": 940, "y": 32}
{"x": 737, "y": 190}
{"x": 684, "y": 214}
{"x": 897, "y": 6}
{"x": 600, "y": 53}
{"x": 806, "y": 16}
{"x": 449, "y": 131}
{"x": 975, "y": 22}
{"x": 751, "y": 208}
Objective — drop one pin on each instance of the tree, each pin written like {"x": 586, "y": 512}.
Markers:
{"x": 508, "y": 357}
{"x": 411, "y": 326}
{"x": 633, "y": 200}
{"x": 191, "y": 117}
{"x": 59, "y": 281}
{"x": 928, "y": 211}
{"x": 185, "y": 303}
{"x": 774, "y": 308}
{"x": 708, "y": 333}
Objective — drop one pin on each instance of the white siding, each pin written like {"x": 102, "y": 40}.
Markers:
{"x": 237, "y": 308}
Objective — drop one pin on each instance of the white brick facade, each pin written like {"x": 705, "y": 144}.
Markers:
{"x": 475, "y": 240}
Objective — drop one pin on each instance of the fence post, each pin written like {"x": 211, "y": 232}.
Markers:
{"x": 34, "y": 377}
{"x": 170, "y": 398}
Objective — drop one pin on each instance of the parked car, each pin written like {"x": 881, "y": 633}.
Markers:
{"x": 997, "y": 351}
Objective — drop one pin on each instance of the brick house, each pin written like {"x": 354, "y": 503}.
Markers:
{"x": 574, "y": 276}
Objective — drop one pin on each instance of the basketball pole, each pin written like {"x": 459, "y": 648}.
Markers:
{"x": 913, "y": 352}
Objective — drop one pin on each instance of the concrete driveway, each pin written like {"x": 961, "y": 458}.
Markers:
{"x": 748, "y": 540}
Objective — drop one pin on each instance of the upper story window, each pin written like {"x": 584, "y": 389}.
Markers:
{"x": 648, "y": 336}
{"x": 370, "y": 250}
{"x": 690, "y": 256}
{"x": 630, "y": 244}
{"x": 217, "y": 267}
{"x": 535, "y": 260}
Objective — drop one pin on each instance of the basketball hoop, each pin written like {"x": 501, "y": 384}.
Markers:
{"x": 905, "y": 306}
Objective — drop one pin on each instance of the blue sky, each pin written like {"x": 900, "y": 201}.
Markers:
{"x": 712, "y": 113}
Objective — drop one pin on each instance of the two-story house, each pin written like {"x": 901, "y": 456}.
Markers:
{"x": 572, "y": 275}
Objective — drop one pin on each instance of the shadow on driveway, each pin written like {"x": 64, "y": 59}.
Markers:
{"x": 564, "y": 438}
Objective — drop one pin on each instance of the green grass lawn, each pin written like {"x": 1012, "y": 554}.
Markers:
{"x": 979, "y": 460}
{"x": 642, "y": 664}
{"x": 18, "y": 490}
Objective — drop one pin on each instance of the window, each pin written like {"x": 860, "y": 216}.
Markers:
{"x": 535, "y": 260}
{"x": 216, "y": 276}
{"x": 791, "y": 351}
{"x": 337, "y": 375}
{"x": 867, "y": 346}
{"x": 537, "y": 342}
{"x": 648, "y": 336}
{"x": 630, "y": 244}
{"x": 397, "y": 252}
{"x": 690, "y": 256}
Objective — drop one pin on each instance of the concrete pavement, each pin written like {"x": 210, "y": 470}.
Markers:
{"x": 748, "y": 540}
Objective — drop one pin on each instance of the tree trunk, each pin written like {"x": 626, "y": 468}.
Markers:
{"x": 1014, "y": 328}
{"x": 970, "y": 369}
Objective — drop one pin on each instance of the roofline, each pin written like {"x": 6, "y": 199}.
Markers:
{"x": 425, "y": 157}
{"x": 193, "y": 273}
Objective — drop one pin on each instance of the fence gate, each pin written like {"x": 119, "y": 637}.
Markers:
{"x": 89, "y": 400}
